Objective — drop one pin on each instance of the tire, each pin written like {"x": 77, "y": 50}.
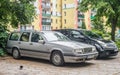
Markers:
{"x": 57, "y": 58}
{"x": 16, "y": 53}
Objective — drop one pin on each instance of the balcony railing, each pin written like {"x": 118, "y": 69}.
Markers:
{"x": 46, "y": 15}
{"x": 46, "y": 23}
{"x": 81, "y": 16}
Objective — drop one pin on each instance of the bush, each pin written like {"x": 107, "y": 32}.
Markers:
{"x": 3, "y": 39}
{"x": 118, "y": 43}
{"x": 106, "y": 36}
{"x": 2, "y": 52}
{"x": 100, "y": 33}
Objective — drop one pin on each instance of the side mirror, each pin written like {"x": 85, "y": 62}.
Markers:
{"x": 41, "y": 41}
{"x": 81, "y": 37}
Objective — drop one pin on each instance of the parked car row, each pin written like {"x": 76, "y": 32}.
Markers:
{"x": 58, "y": 48}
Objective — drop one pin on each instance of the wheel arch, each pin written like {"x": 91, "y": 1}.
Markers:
{"x": 14, "y": 48}
{"x": 54, "y": 51}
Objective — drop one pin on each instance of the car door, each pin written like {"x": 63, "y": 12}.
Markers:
{"x": 37, "y": 46}
{"x": 76, "y": 36}
{"x": 24, "y": 43}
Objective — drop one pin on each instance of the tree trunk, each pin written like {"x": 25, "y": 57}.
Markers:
{"x": 114, "y": 22}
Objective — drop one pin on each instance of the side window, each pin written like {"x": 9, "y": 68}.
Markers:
{"x": 25, "y": 37}
{"x": 65, "y": 32}
{"x": 14, "y": 36}
{"x": 36, "y": 37}
{"x": 76, "y": 34}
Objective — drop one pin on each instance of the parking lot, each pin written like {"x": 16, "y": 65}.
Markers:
{"x": 10, "y": 66}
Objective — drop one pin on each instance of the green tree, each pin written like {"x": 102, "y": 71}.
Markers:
{"x": 14, "y": 12}
{"x": 83, "y": 25}
{"x": 98, "y": 24}
{"x": 104, "y": 8}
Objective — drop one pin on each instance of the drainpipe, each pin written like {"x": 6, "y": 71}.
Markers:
{"x": 61, "y": 16}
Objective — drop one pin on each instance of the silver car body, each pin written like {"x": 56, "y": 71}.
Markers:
{"x": 72, "y": 51}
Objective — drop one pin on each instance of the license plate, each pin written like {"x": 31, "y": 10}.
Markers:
{"x": 116, "y": 50}
{"x": 90, "y": 56}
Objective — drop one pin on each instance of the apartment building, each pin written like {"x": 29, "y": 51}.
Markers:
{"x": 56, "y": 14}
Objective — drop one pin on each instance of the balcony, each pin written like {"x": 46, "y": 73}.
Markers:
{"x": 46, "y": 23}
{"x": 81, "y": 16}
{"x": 46, "y": 15}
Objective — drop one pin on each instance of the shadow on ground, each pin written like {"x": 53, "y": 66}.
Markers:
{"x": 66, "y": 65}
{"x": 75, "y": 65}
{"x": 108, "y": 58}
{"x": 36, "y": 60}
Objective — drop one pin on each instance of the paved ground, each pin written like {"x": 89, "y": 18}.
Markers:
{"x": 10, "y": 66}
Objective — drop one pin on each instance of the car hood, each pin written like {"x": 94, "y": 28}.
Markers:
{"x": 103, "y": 40}
{"x": 72, "y": 44}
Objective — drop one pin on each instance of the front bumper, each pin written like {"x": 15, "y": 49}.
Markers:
{"x": 108, "y": 52}
{"x": 80, "y": 58}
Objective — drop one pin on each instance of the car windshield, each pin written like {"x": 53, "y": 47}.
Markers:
{"x": 55, "y": 36}
{"x": 91, "y": 34}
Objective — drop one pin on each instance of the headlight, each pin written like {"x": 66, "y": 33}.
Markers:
{"x": 79, "y": 51}
{"x": 102, "y": 43}
{"x": 93, "y": 49}
{"x": 114, "y": 43}
{"x": 99, "y": 47}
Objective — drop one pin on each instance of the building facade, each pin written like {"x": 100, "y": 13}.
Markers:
{"x": 57, "y": 14}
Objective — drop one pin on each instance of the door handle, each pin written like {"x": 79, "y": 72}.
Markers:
{"x": 31, "y": 43}
{"x": 19, "y": 42}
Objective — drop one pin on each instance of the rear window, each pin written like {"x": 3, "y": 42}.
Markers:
{"x": 14, "y": 36}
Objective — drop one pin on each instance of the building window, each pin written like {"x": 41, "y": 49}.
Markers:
{"x": 51, "y": 4}
{"x": 56, "y": 5}
{"x": 56, "y": 13}
{"x": 56, "y": 20}
{"x": 51, "y": 12}
{"x": 65, "y": 13}
{"x": 65, "y": 21}
{"x": 64, "y": 5}
{"x": 60, "y": 21}
{"x": 51, "y": 20}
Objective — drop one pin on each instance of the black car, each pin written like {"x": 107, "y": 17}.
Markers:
{"x": 104, "y": 47}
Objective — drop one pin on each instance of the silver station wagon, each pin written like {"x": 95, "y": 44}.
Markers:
{"x": 49, "y": 45}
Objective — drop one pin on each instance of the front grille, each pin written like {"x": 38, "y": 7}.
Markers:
{"x": 87, "y": 50}
{"x": 111, "y": 45}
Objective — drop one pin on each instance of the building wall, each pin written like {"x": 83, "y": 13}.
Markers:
{"x": 56, "y": 14}
{"x": 69, "y": 14}
{"x": 36, "y": 23}
{"x": 88, "y": 20}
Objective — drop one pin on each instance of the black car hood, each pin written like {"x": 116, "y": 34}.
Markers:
{"x": 103, "y": 40}
{"x": 106, "y": 41}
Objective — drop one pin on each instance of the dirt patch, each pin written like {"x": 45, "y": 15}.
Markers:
{"x": 1, "y": 74}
